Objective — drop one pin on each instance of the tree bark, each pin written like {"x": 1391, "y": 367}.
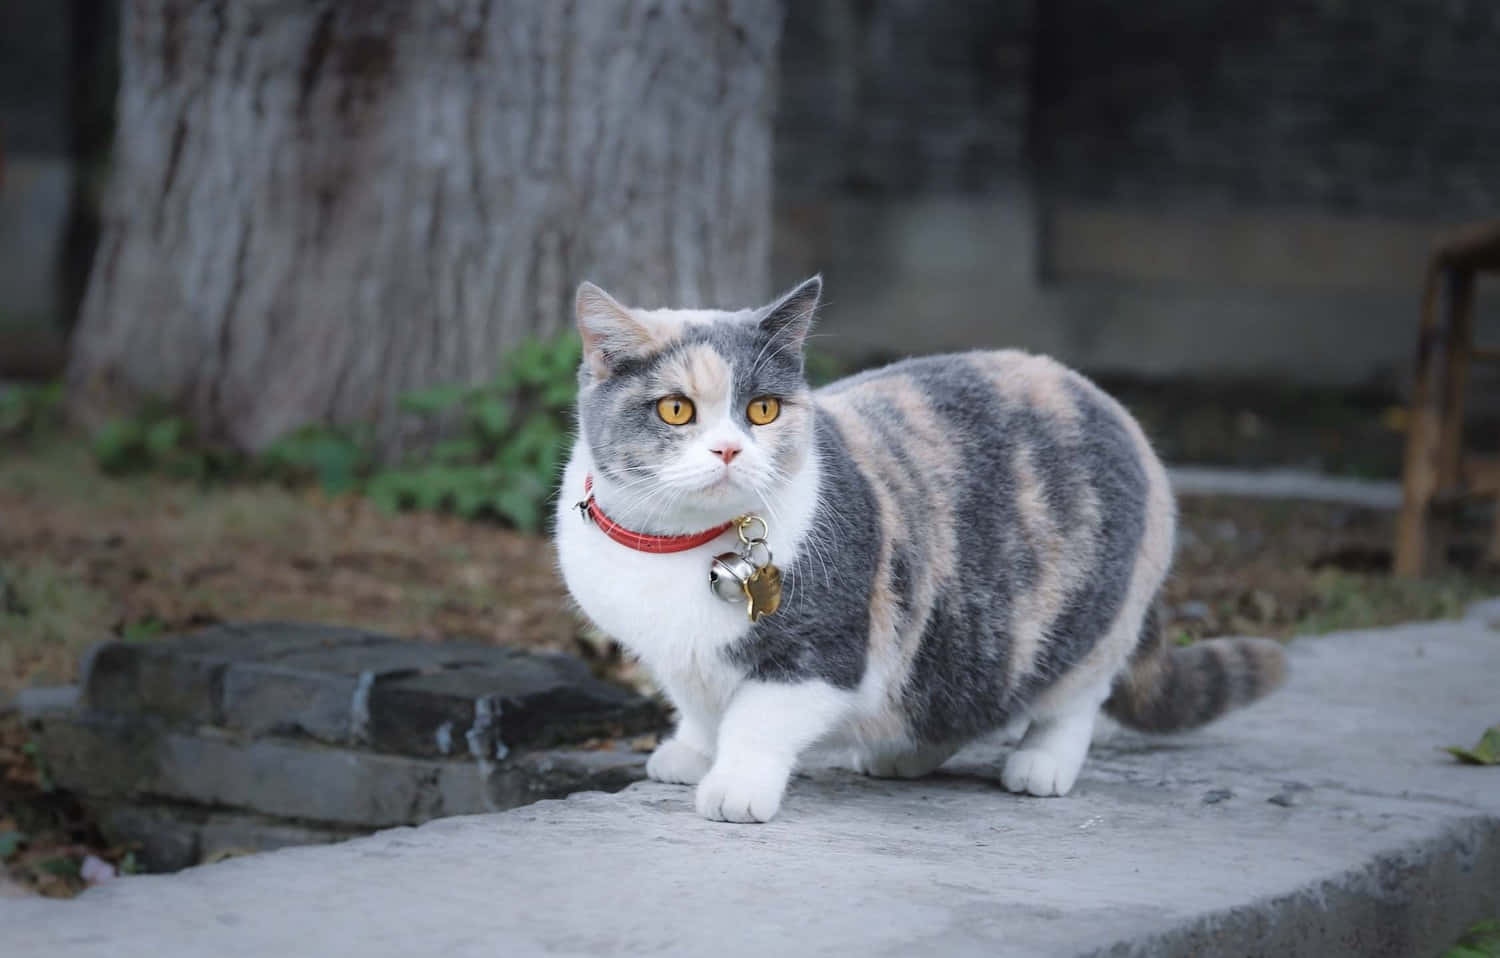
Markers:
{"x": 317, "y": 206}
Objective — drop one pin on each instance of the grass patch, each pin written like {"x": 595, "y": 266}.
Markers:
{"x": 1351, "y": 600}
{"x": 1482, "y": 940}
{"x": 49, "y": 617}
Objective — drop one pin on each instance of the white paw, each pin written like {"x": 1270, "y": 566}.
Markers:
{"x": 677, "y": 764}
{"x": 1038, "y": 772}
{"x": 741, "y": 794}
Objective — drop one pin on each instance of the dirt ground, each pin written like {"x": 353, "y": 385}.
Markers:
{"x": 89, "y": 557}
{"x": 84, "y": 557}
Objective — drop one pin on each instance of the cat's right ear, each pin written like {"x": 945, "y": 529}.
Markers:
{"x": 610, "y": 333}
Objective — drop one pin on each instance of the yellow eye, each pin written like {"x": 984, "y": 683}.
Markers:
{"x": 763, "y": 410}
{"x": 675, "y": 410}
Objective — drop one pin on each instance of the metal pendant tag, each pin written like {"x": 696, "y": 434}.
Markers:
{"x": 763, "y": 589}
{"x": 748, "y": 575}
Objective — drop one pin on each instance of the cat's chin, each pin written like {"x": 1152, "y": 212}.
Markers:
{"x": 723, "y": 497}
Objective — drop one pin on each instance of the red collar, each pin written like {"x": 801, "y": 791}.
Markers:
{"x": 640, "y": 541}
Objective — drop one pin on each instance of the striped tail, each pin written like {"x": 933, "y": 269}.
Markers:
{"x": 1166, "y": 688}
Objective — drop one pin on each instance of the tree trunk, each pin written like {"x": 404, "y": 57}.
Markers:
{"x": 316, "y": 207}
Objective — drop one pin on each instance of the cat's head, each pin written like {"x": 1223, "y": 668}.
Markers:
{"x": 695, "y": 415}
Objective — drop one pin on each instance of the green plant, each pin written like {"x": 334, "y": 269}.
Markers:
{"x": 11, "y": 841}
{"x": 143, "y": 630}
{"x": 44, "y": 776}
{"x": 1482, "y": 940}
{"x": 158, "y": 440}
{"x": 1485, "y": 752}
{"x": 338, "y": 459}
{"x": 821, "y": 368}
{"x": 30, "y": 410}
{"x": 1350, "y": 600}
{"x": 512, "y": 431}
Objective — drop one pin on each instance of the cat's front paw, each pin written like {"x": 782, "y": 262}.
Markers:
{"x": 1038, "y": 772}
{"x": 677, "y": 764}
{"x": 741, "y": 794}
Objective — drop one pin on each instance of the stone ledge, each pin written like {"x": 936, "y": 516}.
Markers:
{"x": 172, "y": 836}
{"x": 109, "y": 760}
{"x": 1324, "y": 822}
{"x": 343, "y": 686}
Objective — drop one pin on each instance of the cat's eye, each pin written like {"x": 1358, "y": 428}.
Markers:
{"x": 763, "y": 410}
{"x": 675, "y": 410}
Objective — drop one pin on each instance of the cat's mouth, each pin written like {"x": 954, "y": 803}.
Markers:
{"x": 723, "y": 482}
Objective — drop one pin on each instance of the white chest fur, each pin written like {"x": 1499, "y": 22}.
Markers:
{"x": 660, "y": 607}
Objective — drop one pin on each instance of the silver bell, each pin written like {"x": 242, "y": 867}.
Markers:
{"x": 728, "y": 575}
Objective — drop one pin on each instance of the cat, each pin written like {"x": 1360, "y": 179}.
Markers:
{"x": 965, "y": 540}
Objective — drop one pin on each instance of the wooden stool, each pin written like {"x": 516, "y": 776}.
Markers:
{"x": 1436, "y": 468}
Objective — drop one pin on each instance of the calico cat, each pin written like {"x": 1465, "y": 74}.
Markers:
{"x": 964, "y": 540}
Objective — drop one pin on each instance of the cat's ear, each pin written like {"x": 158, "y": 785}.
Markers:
{"x": 791, "y": 315}
{"x": 609, "y": 331}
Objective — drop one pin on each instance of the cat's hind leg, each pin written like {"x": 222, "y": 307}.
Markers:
{"x": 900, "y": 760}
{"x": 1051, "y": 753}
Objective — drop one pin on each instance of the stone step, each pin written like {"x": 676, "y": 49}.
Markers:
{"x": 342, "y": 686}
{"x": 109, "y": 758}
{"x": 277, "y": 733}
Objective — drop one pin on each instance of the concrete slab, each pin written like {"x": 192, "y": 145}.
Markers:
{"x": 1324, "y": 822}
{"x": 1285, "y": 484}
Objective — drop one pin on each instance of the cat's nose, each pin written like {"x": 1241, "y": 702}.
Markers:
{"x": 727, "y": 451}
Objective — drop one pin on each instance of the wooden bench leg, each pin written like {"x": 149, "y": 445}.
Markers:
{"x": 1419, "y": 475}
{"x": 1459, "y": 341}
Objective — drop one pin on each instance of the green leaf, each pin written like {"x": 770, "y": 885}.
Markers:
{"x": 335, "y": 457}
{"x": 1486, "y": 752}
{"x": 435, "y": 399}
{"x": 10, "y": 843}
{"x": 164, "y": 437}
{"x": 31, "y": 751}
{"x": 143, "y": 630}
{"x": 119, "y": 446}
{"x": 456, "y": 451}
{"x": 1482, "y": 940}
{"x": 520, "y": 506}
{"x": 61, "y": 865}
{"x": 388, "y": 491}
{"x": 492, "y": 417}
{"x": 28, "y": 409}
{"x": 560, "y": 394}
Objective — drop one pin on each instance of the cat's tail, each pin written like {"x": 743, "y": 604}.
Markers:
{"x": 1169, "y": 688}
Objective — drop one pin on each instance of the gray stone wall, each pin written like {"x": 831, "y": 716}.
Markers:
{"x": 902, "y": 96}
{"x": 1164, "y": 188}
{"x": 1381, "y": 108}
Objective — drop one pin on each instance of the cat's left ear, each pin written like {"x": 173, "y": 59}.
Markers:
{"x": 791, "y": 315}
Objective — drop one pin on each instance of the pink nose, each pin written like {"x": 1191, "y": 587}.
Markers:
{"x": 726, "y": 452}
